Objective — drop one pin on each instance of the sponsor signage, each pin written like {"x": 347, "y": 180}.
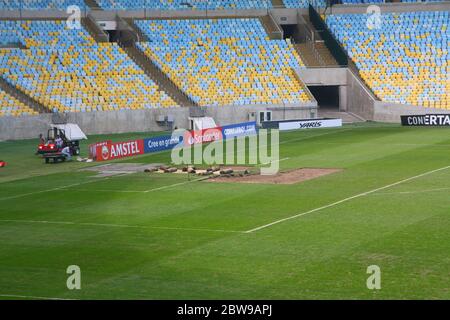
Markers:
{"x": 107, "y": 150}
{"x": 111, "y": 151}
{"x": 93, "y": 148}
{"x": 239, "y": 130}
{"x": 161, "y": 143}
{"x": 203, "y": 136}
{"x": 309, "y": 124}
{"x": 432, "y": 120}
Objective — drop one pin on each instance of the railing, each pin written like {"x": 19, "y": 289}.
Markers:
{"x": 279, "y": 30}
{"x": 143, "y": 9}
{"x": 332, "y": 44}
{"x": 94, "y": 29}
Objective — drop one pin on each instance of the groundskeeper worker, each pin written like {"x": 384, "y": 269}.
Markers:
{"x": 67, "y": 153}
{"x": 59, "y": 142}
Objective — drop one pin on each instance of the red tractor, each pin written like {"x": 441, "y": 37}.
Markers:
{"x": 70, "y": 135}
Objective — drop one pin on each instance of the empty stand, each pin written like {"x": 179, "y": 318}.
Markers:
{"x": 21, "y": 96}
{"x": 66, "y": 70}
{"x": 403, "y": 57}
{"x": 303, "y": 4}
{"x": 11, "y": 106}
{"x": 225, "y": 61}
{"x": 159, "y": 77}
{"x": 183, "y": 4}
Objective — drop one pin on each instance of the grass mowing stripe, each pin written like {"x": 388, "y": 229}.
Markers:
{"x": 347, "y": 199}
{"x": 119, "y": 226}
{"x": 316, "y": 135}
{"x": 108, "y": 190}
{"x": 53, "y": 189}
{"x": 412, "y": 192}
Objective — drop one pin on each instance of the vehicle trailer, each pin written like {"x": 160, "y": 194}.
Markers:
{"x": 71, "y": 135}
{"x": 54, "y": 157}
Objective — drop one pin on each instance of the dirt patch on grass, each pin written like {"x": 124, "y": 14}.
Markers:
{"x": 288, "y": 177}
{"x": 113, "y": 169}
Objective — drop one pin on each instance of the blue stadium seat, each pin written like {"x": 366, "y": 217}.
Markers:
{"x": 404, "y": 57}
{"x": 225, "y": 61}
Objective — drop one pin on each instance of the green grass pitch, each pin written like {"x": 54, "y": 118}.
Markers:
{"x": 187, "y": 241}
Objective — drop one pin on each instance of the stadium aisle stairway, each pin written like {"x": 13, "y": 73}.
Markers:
{"x": 225, "y": 61}
{"x": 403, "y": 57}
{"x": 10, "y": 106}
{"x": 67, "y": 71}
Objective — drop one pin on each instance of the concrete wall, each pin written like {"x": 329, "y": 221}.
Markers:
{"x": 355, "y": 97}
{"x": 282, "y": 15}
{"x": 343, "y": 97}
{"x": 25, "y": 127}
{"x": 287, "y": 16}
{"x": 328, "y": 77}
{"x": 360, "y": 100}
{"x": 236, "y": 114}
{"x": 137, "y": 14}
{"x": 37, "y": 14}
{"x": 391, "y": 112}
{"x": 323, "y": 76}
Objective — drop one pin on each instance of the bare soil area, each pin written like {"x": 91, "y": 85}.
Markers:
{"x": 288, "y": 177}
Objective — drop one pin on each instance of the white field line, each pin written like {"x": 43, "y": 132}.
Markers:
{"x": 175, "y": 185}
{"x": 412, "y": 192}
{"x": 50, "y": 190}
{"x": 346, "y": 199}
{"x": 390, "y": 144}
{"x": 269, "y": 162}
{"x": 142, "y": 191}
{"x": 31, "y": 297}
{"x": 108, "y": 190}
{"x": 146, "y": 191}
{"x": 88, "y": 224}
{"x": 283, "y": 142}
{"x": 62, "y": 187}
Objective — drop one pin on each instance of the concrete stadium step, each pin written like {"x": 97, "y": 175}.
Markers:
{"x": 308, "y": 22}
{"x": 132, "y": 34}
{"x": 22, "y": 97}
{"x": 16, "y": 45}
{"x": 315, "y": 51}
{"x": 315, "y": 54}
{"x": 325, "y": 54}
{"x": 347, "y": 117}
{"x": 161, "y": 79}
{"x": 94, "y": 29}
{"x": 307, "y": 54}
{"x": 273, "y": 30}
{"x": 142, "y": 37}
{"x": 278, "y": 4}
{"x": 92, "y": 4}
